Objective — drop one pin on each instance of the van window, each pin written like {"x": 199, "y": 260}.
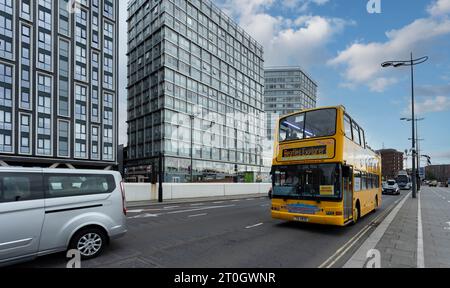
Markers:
{"x": 16, "y": 187}
{"x": 78, "y": 185}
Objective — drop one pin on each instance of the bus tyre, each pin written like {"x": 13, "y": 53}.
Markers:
{"x": 356, "y": 214}
{"x": 89, "y": 241}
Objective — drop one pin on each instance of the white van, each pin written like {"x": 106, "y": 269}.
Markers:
{"x": 43, "y": 211}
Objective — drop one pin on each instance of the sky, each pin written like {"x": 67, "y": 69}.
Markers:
{"x": 341, "y": 45}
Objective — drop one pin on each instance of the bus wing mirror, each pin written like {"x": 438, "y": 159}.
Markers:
{"x": 345, "y": 171}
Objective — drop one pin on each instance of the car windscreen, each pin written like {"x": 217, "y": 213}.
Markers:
{"x": 391, "y": 183}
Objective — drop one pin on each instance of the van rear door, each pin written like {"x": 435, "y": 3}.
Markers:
{"x": 21, "y": 214}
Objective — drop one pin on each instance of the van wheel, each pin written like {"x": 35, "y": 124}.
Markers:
{"x": 90, "y": 242}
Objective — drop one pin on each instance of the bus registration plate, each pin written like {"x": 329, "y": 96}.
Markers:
{"x": 301, "y": 219}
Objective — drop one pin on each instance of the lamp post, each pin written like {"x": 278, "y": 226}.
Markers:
{"x": 418, "y": 147}
{"x": 410, "y": 63}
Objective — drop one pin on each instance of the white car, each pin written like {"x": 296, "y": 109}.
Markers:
{"x": 391, "y": 187}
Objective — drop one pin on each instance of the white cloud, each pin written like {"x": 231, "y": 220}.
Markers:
{"x": 362, "y": 61}
{"x": 286, "y": 41}
{"x": 380, "y": 84}
{"x": 439, "y": 8}
{"x": 434, "y": 104}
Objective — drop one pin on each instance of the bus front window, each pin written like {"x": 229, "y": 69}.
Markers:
{"x": 307, "y": 181}
{"x": 312, "y": 124}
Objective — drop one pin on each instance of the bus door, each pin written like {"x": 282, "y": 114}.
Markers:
{"x": 347, "y": 191}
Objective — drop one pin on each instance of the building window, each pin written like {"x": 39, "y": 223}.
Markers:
{"x": 44, "y": 94}
{"x": 25, "y": 130}
{"x": 63, "y": 138}
{"x": 63, "y": 101}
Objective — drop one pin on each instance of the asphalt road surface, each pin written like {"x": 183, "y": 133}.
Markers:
{"x": 226, "y": 234}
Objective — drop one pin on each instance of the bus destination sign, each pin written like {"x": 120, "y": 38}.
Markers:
{"x": 312, "y": 152}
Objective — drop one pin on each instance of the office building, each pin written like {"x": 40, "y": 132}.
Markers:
{"x": 391, "y": 163}
{"x": 58, "y": 82}
{"x": 440, "y": 173}
{"x": 287, "y": 90}
{"x": 195, "y": 88}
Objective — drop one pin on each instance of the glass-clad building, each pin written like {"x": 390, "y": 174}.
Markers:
{"x": 58, "y": 101}
{"x": 287, "y": 90}
{"x": 195, "y": 94}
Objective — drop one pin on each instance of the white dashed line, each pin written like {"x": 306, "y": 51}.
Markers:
{"x": 171, "y": 207}
{"x": 197, "y": 215}
{"x": 199, "y": 209}
{"x": 218, "y": 202}
{"x": 253, "y": 226}
{"x": 135, "y": 211}
{"x": 197, "y": 204}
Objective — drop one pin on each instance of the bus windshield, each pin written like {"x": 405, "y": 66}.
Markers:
{"x": 403, "y": 179}
{"x": 307, "y": 181}
{"x": 312, "y": 124}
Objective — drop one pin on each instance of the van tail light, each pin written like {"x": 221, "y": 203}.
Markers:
{"x": 124, "y": 200}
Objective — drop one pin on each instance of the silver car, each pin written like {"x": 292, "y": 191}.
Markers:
{"x": 43, "y": 211}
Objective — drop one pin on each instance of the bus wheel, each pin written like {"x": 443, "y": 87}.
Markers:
{"x": 356, "y": 213}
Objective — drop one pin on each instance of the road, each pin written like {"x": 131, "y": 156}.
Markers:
{"x": 225, "y": 234}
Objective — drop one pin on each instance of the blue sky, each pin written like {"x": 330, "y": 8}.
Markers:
{"x": 342, "y": 46}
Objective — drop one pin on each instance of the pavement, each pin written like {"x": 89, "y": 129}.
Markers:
{"x": 417, "y": 236}
{"x": 240, "y": 233}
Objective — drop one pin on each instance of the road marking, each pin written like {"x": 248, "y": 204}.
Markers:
{"x": 341, "y": 251}
{"x": 250, "y": 199}
{"x": 200, "y": 209}
{"x": 171, "y": 207}
{"x": 350, "y": 243}
{"x": 135, "y": 211}
{"x": 253, "y": 226}
{"x": 359, "y": 258}
{"x": 218, "y": 202}
{"x": 265, "y": 205}
{"x": 420, "y": 253}
{"x": 146, "y": 215}
{"x": 197, "y": 204}
{"x": 197, "y": 215}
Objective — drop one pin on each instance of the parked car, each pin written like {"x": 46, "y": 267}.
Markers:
{"x": 391, "y": 187}
{"x": 433, "y": 183}
{"x": 44, "y": 211}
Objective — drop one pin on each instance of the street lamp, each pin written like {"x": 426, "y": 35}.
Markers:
{"x": 410, "y": 63}
{"x": 418, "y": 147}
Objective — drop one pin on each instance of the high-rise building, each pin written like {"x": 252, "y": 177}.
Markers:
{"x": 195, "y": 93}
{"x": 58, "y": 82}
{"x": 287, "y": 90}
{"x": 391, "y": 163}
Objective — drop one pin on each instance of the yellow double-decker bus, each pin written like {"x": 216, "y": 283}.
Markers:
{"x": 323, "y": 171}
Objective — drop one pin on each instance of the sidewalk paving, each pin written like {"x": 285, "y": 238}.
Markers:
{"x": 400, "y": 245}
